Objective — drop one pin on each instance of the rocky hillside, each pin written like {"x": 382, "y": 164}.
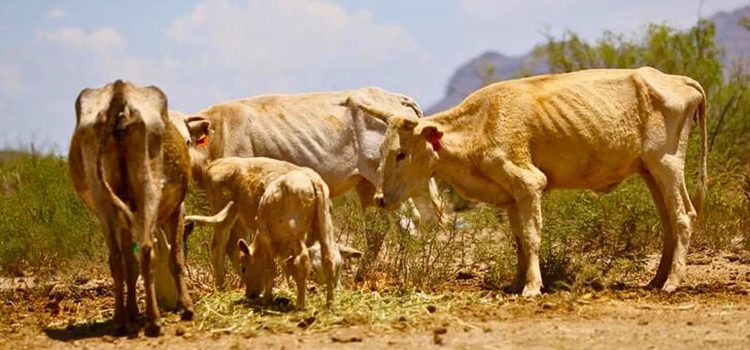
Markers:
{"x": 470, "y": 76}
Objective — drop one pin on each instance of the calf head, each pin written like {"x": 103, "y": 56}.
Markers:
{"x": 255, "y": 270}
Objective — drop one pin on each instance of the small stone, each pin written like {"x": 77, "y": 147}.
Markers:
{"x": 179, "y": 331}
{"x": 440, "y": 331}
{"x": 108, "y": 339}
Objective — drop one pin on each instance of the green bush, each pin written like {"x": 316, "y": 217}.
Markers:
{"x": 44, "y": 225}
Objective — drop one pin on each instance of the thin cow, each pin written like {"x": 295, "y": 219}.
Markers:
{"x": 319, "y": 130}
{"x": 511, "y": 141}
{"x": 130, "y": 166}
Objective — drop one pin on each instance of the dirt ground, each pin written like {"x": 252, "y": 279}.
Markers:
{"x": 712, "y": 310}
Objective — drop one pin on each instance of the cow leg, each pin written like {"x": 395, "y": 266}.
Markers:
{"x": 175, "y": 229}
{"x": 130, "y": 269}
{"x": 374, "y": 239}
{"x": 522, "y": 263}
{"x": 669, "y": 177}
{"x": 669, "y": 239}
{"x": 525, "y": 184}
{"x": 116, "y": 267}
{"x": 148, "y": 269}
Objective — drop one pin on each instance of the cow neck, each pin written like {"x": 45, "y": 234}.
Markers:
{"x": 459, "y": 133}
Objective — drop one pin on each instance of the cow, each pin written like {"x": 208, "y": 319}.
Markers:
{"x": 509, "y": 142}
{"x": 317, "y": 130}
{"x": 131, "y": 168}
{"x": 287, "y": 207}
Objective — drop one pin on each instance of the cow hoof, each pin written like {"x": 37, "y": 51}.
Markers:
{"x": 669, "y": 287}
{"x": 531, "y": 292}
{"x": 153, "y": 330}
{"x": 121, "y": 330}
{"x": 187, "y": 315}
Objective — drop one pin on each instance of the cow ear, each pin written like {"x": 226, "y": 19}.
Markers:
{"x": 433, "y": 136}
{"x": 244, "y": 248}
{"x": 199, "y": 128}
{"x": 349, "y": 252}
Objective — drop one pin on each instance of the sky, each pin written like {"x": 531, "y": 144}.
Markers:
{"x": 201, "y": 52}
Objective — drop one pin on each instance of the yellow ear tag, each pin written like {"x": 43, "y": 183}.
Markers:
{"x": 202, "y": 141}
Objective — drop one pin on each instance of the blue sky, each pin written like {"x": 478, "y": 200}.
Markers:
{"x": 202, "y": 52}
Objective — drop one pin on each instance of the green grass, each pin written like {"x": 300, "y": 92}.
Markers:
{"x": 589, "y": 240}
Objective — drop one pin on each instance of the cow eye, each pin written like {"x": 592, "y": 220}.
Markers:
{"x": 400, "y": 155}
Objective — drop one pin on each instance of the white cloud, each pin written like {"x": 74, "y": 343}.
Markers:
{"x": 100, "y": 40}
{"x": 294, "y": 45}
{"x": 55, "y": 14}
{"x": 11, "y": 83}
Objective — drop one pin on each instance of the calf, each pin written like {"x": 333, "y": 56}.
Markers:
{"x": 340, "y": 254}
{"x": 287, "y": 206}
{"x": 131, "y": 168}
{"x": 510, "y": 141}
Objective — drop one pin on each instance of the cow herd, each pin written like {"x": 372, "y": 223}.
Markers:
{"x": 271, "y": 164}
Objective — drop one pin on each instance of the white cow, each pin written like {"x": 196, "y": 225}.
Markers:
{"x": 509, "y": 142}
{"x": 320, "y": 130}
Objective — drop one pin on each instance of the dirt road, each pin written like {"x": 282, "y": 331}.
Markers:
{"x": 711, "y": 311}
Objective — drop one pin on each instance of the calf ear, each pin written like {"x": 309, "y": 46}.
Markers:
{"x": 349, "y": 252}
{"x": 199, "y": 128}
{"x": 433, "y": 136}
{"x": 244, "y": 249}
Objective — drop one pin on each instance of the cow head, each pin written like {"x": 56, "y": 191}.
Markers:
{"x": 198, "y": 133}
{"x": 254, "y": 271}
{"x": 407, "y": 158}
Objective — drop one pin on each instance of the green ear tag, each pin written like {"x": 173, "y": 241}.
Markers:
{"x": 136, "y": 249}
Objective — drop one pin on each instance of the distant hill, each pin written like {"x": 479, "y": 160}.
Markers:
{"x": 468, "y": 77}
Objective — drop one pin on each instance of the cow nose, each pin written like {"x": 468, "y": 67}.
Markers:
{"x": 379, "y": 200}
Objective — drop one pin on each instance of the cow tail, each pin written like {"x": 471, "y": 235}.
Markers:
{"x": 699, "y": 196}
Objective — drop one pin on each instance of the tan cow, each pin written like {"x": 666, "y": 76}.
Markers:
{"x": 130, "y": 166}
{"x": 287, "y": 207}
{"x": 509, "y": 142}
{"x": 315, "y": 130}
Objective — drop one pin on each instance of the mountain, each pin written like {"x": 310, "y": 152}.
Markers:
{"x": 469, "y": 77}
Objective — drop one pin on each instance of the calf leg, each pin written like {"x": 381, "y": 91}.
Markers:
{"x": 329, "y": 267}
{"x": 174, "y": 229}
{"x": 219, "y": 250}
{"x": 301, "y": 268}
